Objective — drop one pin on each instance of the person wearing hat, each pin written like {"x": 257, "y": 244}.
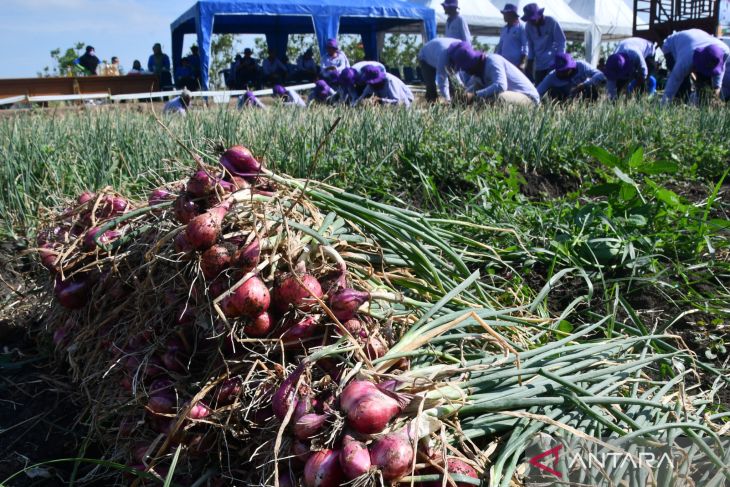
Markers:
{"x": 434, "y": 59}
{"x": 249, "y": 100}
{"x": 321, "y": 94}
{"x": 570, "y": 79}
{"x": 545, "y": 39}
{"x": 273, "y": 70}
{"x": 287, "y": 96}
{"x": 335, "y": 59}
{"x": 88, "y": 61}
{"x": 246, "y": 70}
{"x": 346, "y": 91}
{"x": 693, "y": 52}
{"x": 178, "y": 105}
{"x": 384, "y": 88}
{"x": 497, "y": 78}
{"x": 512, "y": 38}
{"x": 306, "y": 67}
{"x": 456, "y": 26}
{"x": 631, "y": 61}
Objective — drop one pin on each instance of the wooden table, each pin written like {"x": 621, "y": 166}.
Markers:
{"x": 82, "y": 85}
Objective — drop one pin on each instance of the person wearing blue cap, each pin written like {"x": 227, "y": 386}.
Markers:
{"x": 456, "y": 26}
{"x": 383, "y": 88}
{"x": 571, "y": 79}
{"x": 321, "y": 94}
{"x": 249, "y": 100}
{"x": 434, "y": 59}
{"x": 334, "y": 59}
{"x": 287, "y": 96}
{"x": 512, "y": 38}
{"x": 695, "y": 52}
{"x": 631, "y": 61}
{"x": 500, "y": 79}
{"x": 545, "y": 39}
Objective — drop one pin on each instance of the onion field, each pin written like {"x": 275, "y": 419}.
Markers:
{"x": 330, "y": 297}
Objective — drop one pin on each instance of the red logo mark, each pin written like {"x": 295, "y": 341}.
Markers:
{"x": 553, "y": 452}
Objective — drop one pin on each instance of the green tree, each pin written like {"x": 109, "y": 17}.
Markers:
{"x": 222, "y": 52}
{"x": 479, "y": 45}
{"x": 400, "y": 49}
{"x": 63, "y": 61}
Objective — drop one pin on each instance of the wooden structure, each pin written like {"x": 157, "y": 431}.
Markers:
{"x": 82, "y": 85}
{"x": 667, "y": 16}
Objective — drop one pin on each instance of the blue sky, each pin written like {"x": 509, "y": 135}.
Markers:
{"x": 30, "y": 29}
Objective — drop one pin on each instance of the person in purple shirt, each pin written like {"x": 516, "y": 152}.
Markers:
{"x": 695, "y": 52}
{"x": 631, "y": 61}
{"x": 499, "y": 79}
{"x": 545, "y": 39}
{"x": 512, "y": 38}
{"x": 571, "y": 79}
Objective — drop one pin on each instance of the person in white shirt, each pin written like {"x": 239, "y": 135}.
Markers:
{"x": 178, "y": 105}
{"x": 335, "y": 59}
{"x": 512, "y": 38}
{"x": 633, "y": 60}
{"x": 695, "y": 52}
{"x": 496, "y": 79}
{"x": 456, "y": 26}
{"x": 384, "y": 88}
{"x": 434, "y": 59}
{"x": 288, "y": 97}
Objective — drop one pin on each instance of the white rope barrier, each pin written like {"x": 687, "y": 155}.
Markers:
{"x": 222, "y": 95}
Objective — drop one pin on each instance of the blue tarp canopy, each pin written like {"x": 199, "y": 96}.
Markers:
{"x": 276, "y": 19}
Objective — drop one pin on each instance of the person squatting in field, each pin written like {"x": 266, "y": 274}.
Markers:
{"x": 434, "y": 60}
{"x": 571, "y": 79}
{"x": 695, "y": 59}
{"x": 492, "y": 77}
{"x": 631, "y": 61}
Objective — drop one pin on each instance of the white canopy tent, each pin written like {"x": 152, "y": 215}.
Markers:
{"x": 610, "y": 20}
{"x": 573, "y": 24}
{"x": 484, "y": 19}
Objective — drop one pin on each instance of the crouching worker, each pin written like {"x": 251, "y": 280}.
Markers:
{"x": 434, "y": 59}
{"x": 383, "y": 88}
{"x": 571, "y": 79}
{"x": 631, "y": 65}
{"x": 499, "y": 79}
{"x": 288, "y": 97}
{"x": 321, "y": 94}
{"x": 179, "y": 104}
{"x": 249, "y": 100}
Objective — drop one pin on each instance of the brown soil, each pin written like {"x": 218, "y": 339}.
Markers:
{"x": 36, "y": 421}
